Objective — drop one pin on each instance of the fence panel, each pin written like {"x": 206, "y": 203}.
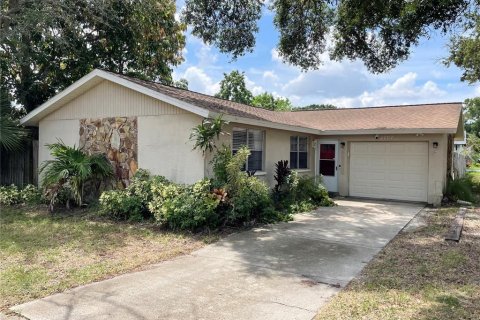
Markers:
{"x": 459, "y": 165}
{"x": 19, "y": 168}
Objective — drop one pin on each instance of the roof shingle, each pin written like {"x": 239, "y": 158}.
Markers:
{"x": 427, "y": 116}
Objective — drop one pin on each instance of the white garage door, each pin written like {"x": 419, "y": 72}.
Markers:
{"x": 389, "y": 170}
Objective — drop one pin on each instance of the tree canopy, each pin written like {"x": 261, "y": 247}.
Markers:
{"x": 472, "y": 116}
{"x": 268, "y": 101}
{"x": 234, "y": 88}
{"x": 380, "y": 33}
{"x": 312, "y": 107}
{"x": 181, "y": 83}
{"x": 45, "y": 45}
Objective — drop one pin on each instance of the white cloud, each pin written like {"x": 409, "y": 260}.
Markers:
{"x": 328, "y": 82}
{"x": 404, "y": 90}
{"x": 199, "y": 81}
{"x": 253, "y": 87}
{"x": 275, "y": 55}
{"x": 270, "y": 75}
{"x": 205, "y": 55}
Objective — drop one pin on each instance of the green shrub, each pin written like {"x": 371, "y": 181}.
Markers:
{"x": 234, "y": 170}
{"x": 301, "y": 194}
{"x": 10, "y": 195}
{"x": 219, "y": 163}
{"x": 121, "y": 205}
{"x": 311, "y": 191}
{"x": 460, "y": 189}
{"x": 250, "y": 201}
{"x": 30, "y": 194}
{"x": 282, "y": 172}
{"x": 186, "y": 207}
{"x": 132, "y": 202}
{"x": 248, "y": 197}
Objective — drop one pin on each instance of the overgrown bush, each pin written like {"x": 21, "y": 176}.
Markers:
{"x": 10, "y": 195}
{"x": 186, "y": 207}
{"x": 232, "y": 198}
{"x": 121, "y": 205}
{"x": 250, "y": 201}
{"x": 221, "y": 159}
{"x": 460, "y": 189}
{"x": 30, "y": 194}
{"x": 300, "y": 194}
{"x": 132, "y": 202}
{"x": 312, "y": 191}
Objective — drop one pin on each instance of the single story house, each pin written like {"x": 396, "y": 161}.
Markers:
{"x": 401, "y": 152}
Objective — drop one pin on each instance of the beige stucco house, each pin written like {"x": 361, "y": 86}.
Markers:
{"x": 401, "y": 152}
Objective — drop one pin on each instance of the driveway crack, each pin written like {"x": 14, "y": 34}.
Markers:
{"x": 287, "y": 305}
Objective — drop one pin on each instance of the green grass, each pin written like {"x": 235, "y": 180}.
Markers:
{"x": 418, "y": 276}
{"x": 41, "y": 253}
{"x": 474, "y": 166}
{"x": 474, "y": 178}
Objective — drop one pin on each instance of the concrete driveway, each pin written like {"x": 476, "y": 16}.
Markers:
{"x": 283, "y": 271}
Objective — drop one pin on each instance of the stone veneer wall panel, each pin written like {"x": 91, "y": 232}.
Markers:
{"x": 116, "y": 137}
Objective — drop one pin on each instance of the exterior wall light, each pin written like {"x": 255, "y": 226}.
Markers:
{"x": 435, "y": 145}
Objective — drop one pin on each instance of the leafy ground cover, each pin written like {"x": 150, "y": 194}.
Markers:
{"x": 418, "y": 276}
{"x": 42, "y": 253}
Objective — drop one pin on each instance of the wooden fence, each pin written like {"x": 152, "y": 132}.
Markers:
{"x": 459, "y": 165}
{"x": 20, "y": 168}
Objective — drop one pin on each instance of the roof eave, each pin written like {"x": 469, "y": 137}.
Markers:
{"x": 390, "y": 131}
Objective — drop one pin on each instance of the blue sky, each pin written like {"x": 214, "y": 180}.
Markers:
{"x": 420, "y": 79}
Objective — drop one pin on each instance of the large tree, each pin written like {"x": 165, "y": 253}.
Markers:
{"x": 234, "y": 88}
{"x": 45, "y": 45}
{"x": 472, "y": 116}
{"x": 465, "y": 50}
{"x": 268, "y": 101}
{"x": 382, "y": 33}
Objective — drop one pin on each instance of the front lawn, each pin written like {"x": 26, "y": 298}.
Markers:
{"x": 418, "y": 276}
{"x": 41, "y": 253}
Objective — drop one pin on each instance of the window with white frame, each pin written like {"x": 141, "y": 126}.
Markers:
{"x": 298, "y": 152}
{"x": 254, "y": 141}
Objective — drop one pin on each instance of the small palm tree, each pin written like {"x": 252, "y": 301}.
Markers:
{"x": 70, "y": 169}
{"x": 204, "y": 134}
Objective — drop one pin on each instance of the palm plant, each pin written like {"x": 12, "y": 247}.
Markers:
{"x": 204, "y": 134}
{"x": 70, "y": 169}
{"x": 12, "y": 134}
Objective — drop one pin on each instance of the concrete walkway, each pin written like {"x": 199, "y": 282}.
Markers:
{"x": 283, "y": 271}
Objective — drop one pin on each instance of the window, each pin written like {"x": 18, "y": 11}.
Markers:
{"x": 298, "y": 152}
{"x": 253, "y": 139}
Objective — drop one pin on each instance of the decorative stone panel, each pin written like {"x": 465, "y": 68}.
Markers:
{"x": 117, "y": 139}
